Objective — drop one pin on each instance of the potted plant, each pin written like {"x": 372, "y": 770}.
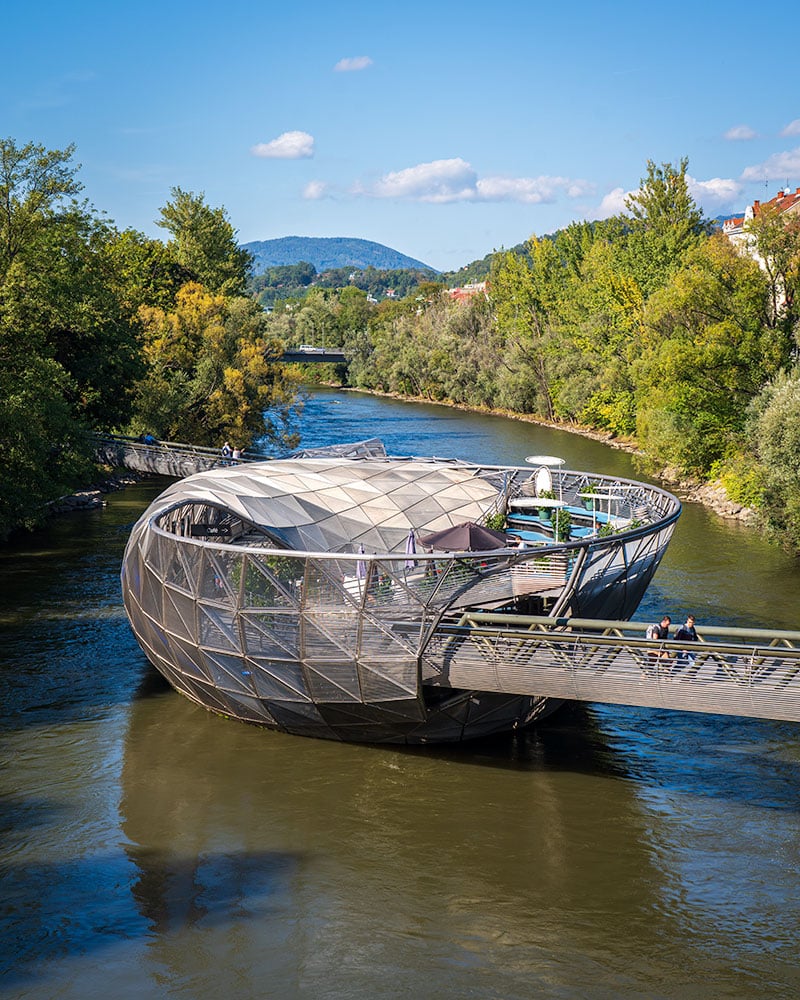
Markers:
{"x": 562, "y": 525}
{"x": 590, "y": 488}
{"x": 545, "y": 513}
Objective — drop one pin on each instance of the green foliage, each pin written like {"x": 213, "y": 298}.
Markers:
{"x": 562, "y": 524}
{"x": 208, "y": 378}
{"x": 776, "y": 239}
{"x": 666, "y": 224}
{"x": 282, "y": 282}
{"x": 773, "y": 433}
{"x": 496, "y": 521}
{"x": 742, "y": 477}
{"x": 67, "y": 344}
{"x": 706, "y": 355}
{"x": 204, "y": 242}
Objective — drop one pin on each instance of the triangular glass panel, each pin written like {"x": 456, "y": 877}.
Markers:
{"x": 217, "y": 629}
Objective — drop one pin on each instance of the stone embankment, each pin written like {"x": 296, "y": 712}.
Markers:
{"x": 711, "y": 495}
{"x": 94, "y": 495}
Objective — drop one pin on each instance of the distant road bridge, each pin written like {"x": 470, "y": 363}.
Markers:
{"x": 313, "y": 356}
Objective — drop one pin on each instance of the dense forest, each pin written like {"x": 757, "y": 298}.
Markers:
{"x": 650, "y": 326}
{"x": 292, "y": 281}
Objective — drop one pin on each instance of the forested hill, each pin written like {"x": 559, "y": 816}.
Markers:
{"x": 326, "y": 253}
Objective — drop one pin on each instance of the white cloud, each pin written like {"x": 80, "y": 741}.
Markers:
{"x": 352, "y": 64}
{"x": 740, "y": 132}
{"x": 612, "y": 204}
{"x": 715, "y": 192}
{"x": 529, "y": 190}
{"x": 443, "y": 181}
{"x": 439, "y": 181}
{"x": 793, "y": 128}
{"x": 315, "y": 190}
{"x": 778, "y": 167}
{"x": 288, "y": 146}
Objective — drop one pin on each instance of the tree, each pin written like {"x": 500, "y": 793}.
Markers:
{"x": 37, "y": 191}
{"x": 143, "y": 271}
{"x": 204, "y": 242}
{"x": 774, "y": 437}
{"x": 208, "y": 377}
{"x": 525, "y": 294}
{"x": 706, "y": 356}
{"x": 68, "y": 351}
{"x": 665, "y": 224}
{"x": 598, "y": 340}
{"x": 775, "y": 238}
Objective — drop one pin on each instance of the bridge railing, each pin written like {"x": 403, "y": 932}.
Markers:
{"x": 136, "y": 444}
{"x": 736, "y": 671}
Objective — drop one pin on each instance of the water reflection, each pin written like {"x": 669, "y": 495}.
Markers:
{"x": 497, "y": 858}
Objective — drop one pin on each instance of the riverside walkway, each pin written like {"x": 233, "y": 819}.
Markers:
{"x": 730, "y": 671}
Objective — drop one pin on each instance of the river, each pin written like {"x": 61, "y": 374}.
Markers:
{"x": 150, "y": 849}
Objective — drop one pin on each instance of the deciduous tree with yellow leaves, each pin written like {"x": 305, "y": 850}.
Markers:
{"x": 209, "y": 375}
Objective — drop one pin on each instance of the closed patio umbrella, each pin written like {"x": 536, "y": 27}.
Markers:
{"x": 411, "y": 549}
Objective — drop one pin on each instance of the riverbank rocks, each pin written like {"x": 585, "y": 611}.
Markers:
{"x": 92, "y": 496}
{"x": 711, "y": 495}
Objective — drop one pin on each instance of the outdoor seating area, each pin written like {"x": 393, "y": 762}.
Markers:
{"x": 551, "y": 506}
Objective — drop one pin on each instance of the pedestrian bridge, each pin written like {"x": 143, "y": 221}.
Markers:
{"x": 729, "y": 671}
{"x": 177, "y": 460}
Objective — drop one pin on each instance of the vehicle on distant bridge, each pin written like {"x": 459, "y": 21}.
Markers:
{"x": 309, "y": 349}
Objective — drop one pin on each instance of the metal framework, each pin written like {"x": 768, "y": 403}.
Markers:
{"x": 730, "y": 671}
{"x": 286, "y": 593}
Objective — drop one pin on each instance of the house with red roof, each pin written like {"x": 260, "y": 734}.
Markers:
{"x": 785, "y": 202}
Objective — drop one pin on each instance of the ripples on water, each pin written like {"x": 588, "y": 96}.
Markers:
{"x": 151, "y": 849}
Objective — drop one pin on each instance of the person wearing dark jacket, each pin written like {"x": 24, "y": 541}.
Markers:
{"x": 686, "y": 633}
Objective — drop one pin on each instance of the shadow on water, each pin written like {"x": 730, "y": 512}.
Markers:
{"x": 544, "y": 842}
{"x": 66, "y": 649}
{"x": 80, "y": 906}
{"x": 607, "y": 852}
{"x": 749, "y": 761}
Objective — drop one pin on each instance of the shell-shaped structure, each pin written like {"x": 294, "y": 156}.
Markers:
{"x": 296, "y": 594}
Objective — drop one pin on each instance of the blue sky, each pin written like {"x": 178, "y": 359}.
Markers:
{"x": 442, "y": 130}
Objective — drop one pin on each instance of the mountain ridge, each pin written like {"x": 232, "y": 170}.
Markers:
{"x": 329, "y": 252}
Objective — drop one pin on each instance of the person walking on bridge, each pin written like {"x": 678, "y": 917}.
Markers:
{"x": 660, "y": 631}
{"x": 686, "y": 633}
